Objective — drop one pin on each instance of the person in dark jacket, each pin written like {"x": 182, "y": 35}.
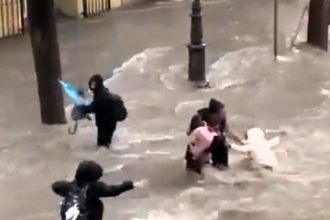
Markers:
{"x": 105, "y": 106}
{"x": 219, "y": 147}
{"x": 88, "y": 174}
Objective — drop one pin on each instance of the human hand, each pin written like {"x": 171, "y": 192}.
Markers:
{"x": 280, "y": 132}
{"x": 244, "y": 142}
{"x": 141, "y": 183}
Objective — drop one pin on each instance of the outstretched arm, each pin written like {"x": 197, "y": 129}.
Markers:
{"x": 104, "y": 190}
{"x": 274, "y": 142}
{"x": 230, "y": 134}
{"x": 61, "y": 188}
{"x": 241, "y": 148}
{"x": 88, "y": 108}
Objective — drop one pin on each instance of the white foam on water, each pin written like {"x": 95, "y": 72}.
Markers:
{"x": 137, "y": 62}
{"x": 173, "y": 77}
{"x": 120, "y": 140}
{"x": 284, "y": 58}
{"x": 175, "y": 157}
{"x": 325, "y": 92}
{"x": 228, "y": 177}
{"x": 296, "y": 50}
{"x": 149, "y": 152}
{"x": 157, "y": 214}
{"x": 246, "y": 200}
{"x": 188, "y": 104}
{"x": 193, "y": 191}
{"x": 147, "y": 137}
{"x": 130, "y": 156}
{"x": 182, "y": 213}
{"x": 233, "y": 68}
{"x": 114, "y": 169}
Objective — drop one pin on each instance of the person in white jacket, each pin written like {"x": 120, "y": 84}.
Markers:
{"x": 259, "y": 149}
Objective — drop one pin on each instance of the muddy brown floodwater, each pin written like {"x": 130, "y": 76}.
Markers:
{"x": 145, "y": 49}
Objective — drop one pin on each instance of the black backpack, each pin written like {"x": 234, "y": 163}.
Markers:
{"x": 120, "y": 112}
{"x": 74, "y": 206}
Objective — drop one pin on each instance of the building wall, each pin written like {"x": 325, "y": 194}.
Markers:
{"x": 131, "y": 2}
{"x": 116, "y": 4}
{"x": 10, "y": 17}
{"x": 74, "y": 8}
{"x": 10, "y": 12}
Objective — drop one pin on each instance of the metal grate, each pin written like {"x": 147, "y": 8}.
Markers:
{"x": 11, "y": 18}
{"x": 95, "y": 7}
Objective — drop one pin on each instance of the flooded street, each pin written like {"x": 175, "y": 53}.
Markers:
{"x": 143, "y": 53}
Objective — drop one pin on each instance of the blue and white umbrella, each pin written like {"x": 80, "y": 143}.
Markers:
{"x": 73, "y": 94}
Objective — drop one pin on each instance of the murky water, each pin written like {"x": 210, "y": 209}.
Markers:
{"x": 150, "y": 71}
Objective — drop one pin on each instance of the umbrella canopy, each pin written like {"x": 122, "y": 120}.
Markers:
{"x": 73, "y": 94}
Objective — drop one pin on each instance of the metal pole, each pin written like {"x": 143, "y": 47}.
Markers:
{"x": 275, "y": 29}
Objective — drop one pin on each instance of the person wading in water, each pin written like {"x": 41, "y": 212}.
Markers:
{"x": 219, "y": 147}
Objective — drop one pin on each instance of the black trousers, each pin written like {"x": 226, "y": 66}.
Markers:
{"x": 105, "y": 134}
{"x": 192, "y": 164}
{"x": 219, "y": 150}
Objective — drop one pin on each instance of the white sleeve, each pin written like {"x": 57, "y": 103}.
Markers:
{"x": 241, "y": 148}
{"x": 274, "y": 141}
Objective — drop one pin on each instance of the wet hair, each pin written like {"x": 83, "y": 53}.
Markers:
{"x": 98, "y": 80}
{"x": 213, "y": 119}
{"x": 215, "y": 106}
{"x": 88, "y": 171}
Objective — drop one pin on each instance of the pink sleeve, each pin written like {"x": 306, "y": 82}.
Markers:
{"x": 201, "y": 143}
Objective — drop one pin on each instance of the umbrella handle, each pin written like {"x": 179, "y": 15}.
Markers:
{"x": 74, "y": 129}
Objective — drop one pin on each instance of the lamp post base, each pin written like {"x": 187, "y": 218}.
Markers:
{"x": 203, "y": 84}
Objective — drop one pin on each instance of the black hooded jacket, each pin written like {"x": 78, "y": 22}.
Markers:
{"x": 104, "y": 103}
{"x": 214, "y": 107}
{"x": 205, "y": 114}
{"x": 89, "y": 172}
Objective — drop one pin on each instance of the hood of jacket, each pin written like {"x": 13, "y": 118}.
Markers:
{"x": 96, "y": 83}
{"x": 88, "y": 171}
{"x": 215, "y": 106}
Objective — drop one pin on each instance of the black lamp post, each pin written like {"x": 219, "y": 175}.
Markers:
{"x": 197, "y": 47}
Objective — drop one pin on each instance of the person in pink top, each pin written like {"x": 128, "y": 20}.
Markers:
{"x": 199, "y": 144}
{"x": 220, "y": 146}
